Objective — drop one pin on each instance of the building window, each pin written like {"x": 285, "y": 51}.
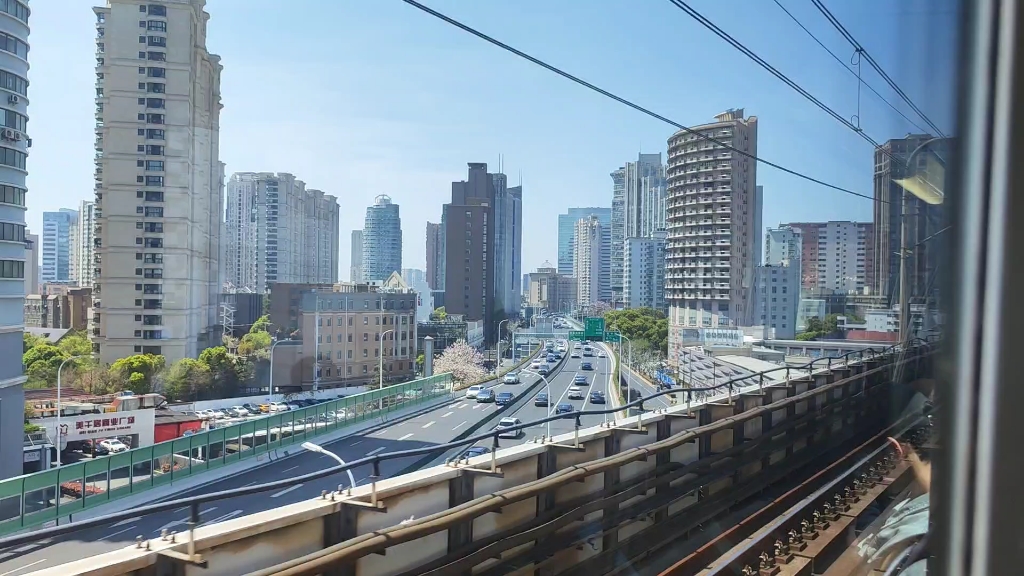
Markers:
{"x": 154, "y": 72}
{"x": 12, "y": 195}
{"x": 156, "y": 56}
{"x": 11, "y": 44}
{"x": 156, "y": 41}
{"x": 11, "y": 157}
{"x": 154, "y": 180}
{"x": 155, "y": 118}
{"x": 156, "y": 26}
{"x": 12, "y": 269}
{"x": 154, "y": 87}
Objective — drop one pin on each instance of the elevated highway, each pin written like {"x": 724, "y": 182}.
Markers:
{"x": 636, "y": 490}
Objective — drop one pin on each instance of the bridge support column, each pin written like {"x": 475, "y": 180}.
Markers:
{"x": 338, "y": 527}
{"x": 546, "y": 466}
{"x": 664, "y": 431}
{"x": 460, "y": 491}
{"x": 612, "y": 445}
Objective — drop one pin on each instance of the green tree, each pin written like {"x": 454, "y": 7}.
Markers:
{"x": 41, "y": 363}
{"x": 223, "y": 369}
{"x": 188, "y": 379}
{"x": 831, "y": 324}
{"x": 253, "y": 342}
{"x": 76, "y": 344}
{"x": 439, "y": 314}
{"x": 814, "y": 324}
{"x": 136, "y": 373}
{"x": 420, "y": 360}
{"x": 262, "y": 324}
{"x": 31, "y": 340}
{"x": 641, "y": 325}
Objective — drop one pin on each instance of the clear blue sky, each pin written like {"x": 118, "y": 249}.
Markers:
{"x": 360, "y": 98}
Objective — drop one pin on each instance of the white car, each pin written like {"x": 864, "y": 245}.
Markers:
{"x": 506, "y": 423}
{"x": 574, "y": 355}
{"x": 600, "y": 355}
{"x": 575, "y": 393}
{"x": 473, "y": 391}
{"x": 206, "y": 414}
{"x": 238, "y": 411}
{"x": 113, "y": 445}
{"x": 279, "y": 407}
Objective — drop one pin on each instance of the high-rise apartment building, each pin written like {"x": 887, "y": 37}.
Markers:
{"x": 435, "y": 256}
{"x": 712, "y": 204}
{"x": 159, "y": 181}
{"x": 837, "y": 257}
{"x": 277, "y": 230}
{"x": 551, "y": 290}
{"x": 638, "y": 210}
{"x": 31, "y": 263}
{"x": 567, "y": 231}
{"x": 382, "y": 240}
{"x": 14, "y": 144}
{"x": 777, "y": 298}
{"x": 924, "y": 220}
{"x": 58, "y": 232}
{"x": 644, "y": 272}
{"x": 84, "y": 243}
{"x": 508, "y": 242}
{"x": 592, "y": 284}
{"x": 470, "y": 250}
{"x": 783, "y": 245}
{"x": 355, "y": 273}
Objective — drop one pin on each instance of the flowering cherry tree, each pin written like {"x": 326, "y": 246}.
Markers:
{"x": 599, "y": 309}
{"x": 463, "y": 361}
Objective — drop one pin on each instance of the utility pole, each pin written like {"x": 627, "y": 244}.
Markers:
{"x": 904, "y": 312}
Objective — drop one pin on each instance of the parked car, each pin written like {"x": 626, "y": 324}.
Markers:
{"x": 564, "y": 409}
{"x": 221, "y": 413}
{"x": 110, "y": 446}
{"x": 511, "y": 378}
{"x": 252, "y": 409}
{"x": 294, "y": 405}
{"x": 472, "y": 391}
{"x": 264, "y": 407}
{"x": 278, "y": 407}
{"x": 575, "y": 393}
{"x": 596, "y": 397}
{"x": 485, "y": 395}
{"x": 580, "y": 379}
{"x": 540, "y": 399}
{"x": 238, "y": 411}
{"x": 503, "y": 428}
{"x": 503, "y": 399}
{"x": 206, "y": 414}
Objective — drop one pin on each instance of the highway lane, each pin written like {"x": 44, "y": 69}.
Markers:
{"x": 435, "y": 426}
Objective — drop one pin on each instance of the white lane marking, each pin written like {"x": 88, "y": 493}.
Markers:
{"x": 356, "y": 443}
{"x": 128, "y": 521}
{"x": 286, "y": 490}
{"x": 477, "y": 406}
{"x": 250, "y": 484}
{"x": 228, "y": 516}
{"x": 290, "y": 469}
{"x": 406, "y": 437}
{"x": 566, "y": 391}
{"x": 461, "y": 405}
{"x": 375, "y": 450}
{"x": 428, "y": 424}
{"x": 132, "y": 527}
{"x": 447, "y": 414}
{"x": 19, "y": 569}
{"x": 460, "y": 425}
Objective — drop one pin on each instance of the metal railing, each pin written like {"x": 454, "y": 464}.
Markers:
{"x": 374, "y": 461}
{"x": 34, "y": 499}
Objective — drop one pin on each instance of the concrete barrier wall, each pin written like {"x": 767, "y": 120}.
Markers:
{"x": 261, "y": 540}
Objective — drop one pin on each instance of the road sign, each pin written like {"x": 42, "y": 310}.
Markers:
{"x": 576, "y": 335}
{"x": 612, "y": 337}
{"x": 593, "y": 329}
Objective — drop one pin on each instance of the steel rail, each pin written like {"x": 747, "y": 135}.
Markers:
{"x": 363, "y": 545}
{"x": 375, "y": 460}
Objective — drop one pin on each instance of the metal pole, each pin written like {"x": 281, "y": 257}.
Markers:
{"x": 499, "y": 342}
{"x": 380, "y": 369}
{"x": 904, "y": 273}
{"x": 59, "y": 369}
{"x": 547, "y": 390}
{"x": 316, "y": 345}
{"x": 272, "y": 346}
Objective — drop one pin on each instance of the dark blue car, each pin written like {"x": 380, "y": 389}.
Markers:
{"x": 563, "y": 409}
{"x": 586, "y": 366}
{"x": 503, "y": 398}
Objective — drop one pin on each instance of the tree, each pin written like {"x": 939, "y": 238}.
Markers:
{"x": 439, "y": 314}
{"x": 223, "y": 370}
{"x": 420, "y": 360}
{"x": 188, "y": 379}
{"x": 41, "y": 363}
{"x": 464, "y": 362}
{"x": 646, "y": 328}
{"x": 254, "y": 342}
{"x": 814, "y": 324}
{"x": 831, "y": 324}
{"x": 136, "y": 373}
{"x": 76, "y": 344}
{"x": 30, "y": 340}
{"x": 262, "y": 324}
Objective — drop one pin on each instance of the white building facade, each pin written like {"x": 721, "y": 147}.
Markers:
{"x": 644, "y": 272}
{"x": 777, "y": 299}
{"x": 638, "y": 211}
{"x": 591, "y": 284}
{"x": 159, "y": 181}
{"x": 84, "y": 241}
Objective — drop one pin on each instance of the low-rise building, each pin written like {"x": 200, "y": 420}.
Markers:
{"x": 64, "y": 307}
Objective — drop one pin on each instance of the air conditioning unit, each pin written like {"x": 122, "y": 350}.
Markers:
{"x": 13, "y": 99}
{"x": 17, "y": 135}
{"x": 8, "y": 134}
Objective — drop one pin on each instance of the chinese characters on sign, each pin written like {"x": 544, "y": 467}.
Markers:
{"x": 104, "y": 426}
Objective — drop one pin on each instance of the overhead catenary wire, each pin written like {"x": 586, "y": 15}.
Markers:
{"x": 871, "y": 61}
{"x": 847, "y": 68}
{"x": 632, "y": 105}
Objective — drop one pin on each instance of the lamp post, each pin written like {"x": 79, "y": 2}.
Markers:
{"x": 505, "y": 321}
{"x": 380, "y": 368}
{"x": 629, "y": 362}
{"x": 547, "y": 390}
{"x": 59, "y": 369}
{"x": 321, "y": 450}
{"x": 272, "y": 346}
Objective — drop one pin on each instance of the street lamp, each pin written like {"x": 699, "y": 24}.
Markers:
{"x": 380, "y": 368}
{"x": 321, "y": 450}
{"x": 499, "y": 342}
{"x": 59, "y": 369}
{"x": 629, "y": 362}
{"x": 272, "y": 346}
{"x": 547, "y": 390}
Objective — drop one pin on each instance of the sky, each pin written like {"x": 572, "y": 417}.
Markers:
{"x": 362, "y": 98}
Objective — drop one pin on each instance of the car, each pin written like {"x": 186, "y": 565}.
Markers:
{"x": 485, "y": 395}
{"x": 540, "y": 399}
{"x": 472, "y": 391}
{"x": 206, "y": 414}
{"x": 110, "y": 446}
{"x": 586, "y": 366}
{"x": 238, "y": 411}
{"x": 502, "y": 399}
{"x": 601, "y": 355}
{"x": 503, "y": 428}
{"x": 279, "y": 407}
{"x": 253, "y": 409}
{"x": 574, "y": 354}
{"x": 536, "y": 365}
{"x": 295, "y": 405}
{"x": 264, "y": 407}
{"x": 511, "y": 378}
{"x": 222, "y": 413}
{"x": 596, "y": 397}
{"x": 580, "y": 379}
{"x": 543, "y": 370}
{"x": 551, "y": 358}
{"x": 564, "y": 409}
{"x": 471, "y": 452}
{"x": 575, "y": 393}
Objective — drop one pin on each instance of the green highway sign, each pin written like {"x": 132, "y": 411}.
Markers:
{"x": 576, "y": 335}
{"x": 593, "y": 329}
{"x": 612, "y": 337}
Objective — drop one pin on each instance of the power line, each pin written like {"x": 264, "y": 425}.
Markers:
{"x": 860, "y": 49}
{"x": 847, "y": 68}
{"x": 622, "y": 100}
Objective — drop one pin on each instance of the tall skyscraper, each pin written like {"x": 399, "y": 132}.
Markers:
{"x": 84, "y": 242}
{"x": 836, "y": 256}
{"x": 355, "y": 273}
{"x": 644, "y": 272}
{"x": 712, "y": 200}
{"x": 508, "y": 239}
{"x": 592, "y": 285}
{"x": 924, "y": 220}
{"x": 382, "y": 240}
{"x": 469, "y": 250}
{"x": 277, "y": 230}
{"x": 159, "y": 181}
{"x": 567, "y": 230}
{"x": 435, "y": 256}
{"x": 58, "y": 229}
{"x": 14, "y": 141}
{"x": 638, "y": 210}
